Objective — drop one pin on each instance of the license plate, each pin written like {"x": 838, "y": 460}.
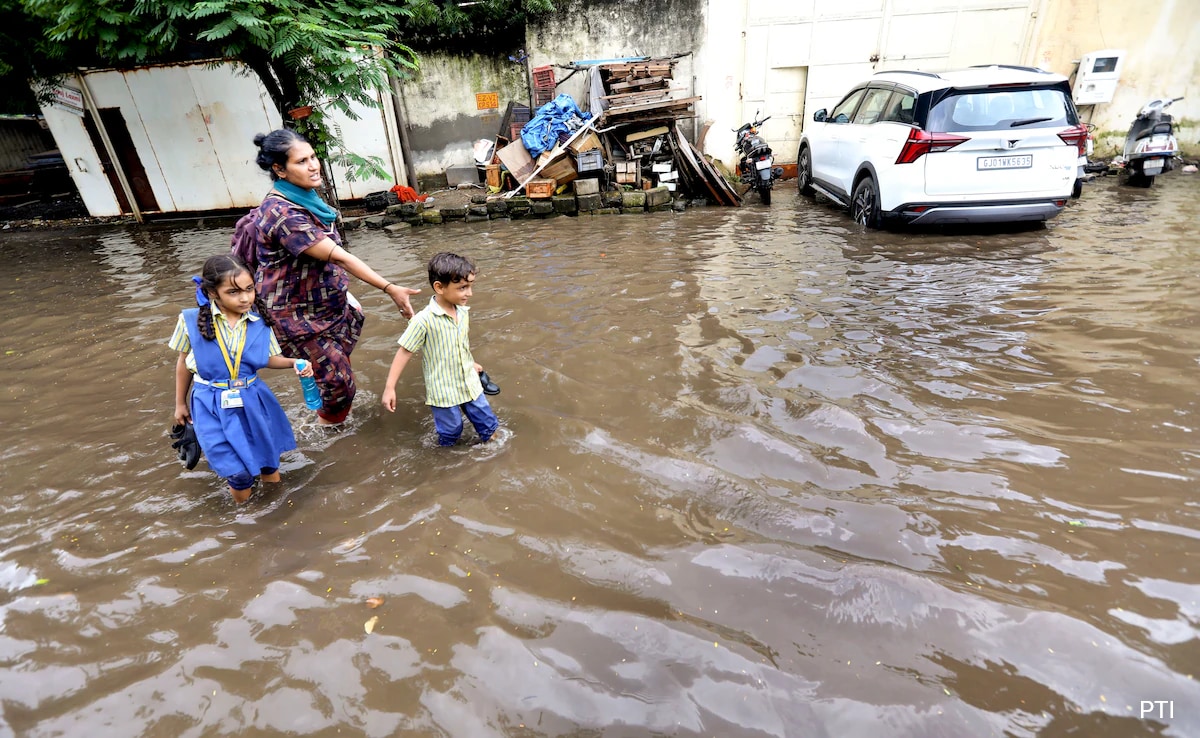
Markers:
{"x": 1152, "y": 166}
{"x": 762, "y": 164}
{"x": 1004, "y": 162}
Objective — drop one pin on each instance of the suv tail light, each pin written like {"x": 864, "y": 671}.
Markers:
{"x": 1076, "y": 136}
{"x": 922, "y": 142}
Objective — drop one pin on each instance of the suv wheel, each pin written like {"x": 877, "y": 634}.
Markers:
{"x": 804, "y": 172}
{"x": 864, "y": 203}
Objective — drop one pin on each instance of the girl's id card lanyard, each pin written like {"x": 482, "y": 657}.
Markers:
{"x": 232, "y": 397}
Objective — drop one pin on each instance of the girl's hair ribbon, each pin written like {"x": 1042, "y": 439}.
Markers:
{"x": 201, "y": 298}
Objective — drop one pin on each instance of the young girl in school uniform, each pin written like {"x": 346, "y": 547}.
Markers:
{"x": 222, "y": 344}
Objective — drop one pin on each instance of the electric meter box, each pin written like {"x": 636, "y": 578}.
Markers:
{"x": 1096, "y": 79}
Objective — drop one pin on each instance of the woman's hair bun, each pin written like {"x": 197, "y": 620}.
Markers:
{"x": 259, "y": 138}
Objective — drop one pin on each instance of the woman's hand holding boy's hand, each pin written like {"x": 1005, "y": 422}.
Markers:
{"x": 389, "y": 399}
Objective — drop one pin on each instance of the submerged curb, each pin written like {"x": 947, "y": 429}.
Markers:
{"x": 397, "y": 219}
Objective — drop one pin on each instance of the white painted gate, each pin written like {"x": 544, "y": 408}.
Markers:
{"x": 802, "y": 55}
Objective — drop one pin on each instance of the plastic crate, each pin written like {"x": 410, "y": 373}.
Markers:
{"x": 589, "y": 161}
{"x": 543, "y": 76}
{"x": 542, "y": 95}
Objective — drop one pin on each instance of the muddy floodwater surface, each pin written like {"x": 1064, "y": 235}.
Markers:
{"x": 759, "y": 473}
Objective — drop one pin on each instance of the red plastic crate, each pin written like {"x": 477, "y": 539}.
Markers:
{"x": 543, "y": 76}
{"x": 542, "y": 95}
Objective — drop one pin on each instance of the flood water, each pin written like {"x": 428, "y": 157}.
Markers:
{"x": 760, "y": 473}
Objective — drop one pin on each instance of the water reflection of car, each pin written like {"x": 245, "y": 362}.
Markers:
{"x": 981, "y": 145}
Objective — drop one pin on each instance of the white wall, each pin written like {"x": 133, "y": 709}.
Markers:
{"x": 789, "y": 58}
{"x": 1161, "y": 39}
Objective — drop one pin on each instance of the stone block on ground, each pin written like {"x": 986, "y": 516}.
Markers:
{"x": 564, "y": 204}
{"x": 518, "y": 201}
{"x": 476, "y": 218}
{"x": 374, "y": 221}
{"x": 633, "y": 210}
{"x": 497, "y": 205}
{"x": 612, "y": 199}
{"x": 403, "y": 209}
{"x": 542, "y": 207}
{"x": 396, "y": 228}
{"x": 479, "y": 199}
{"x": 454, "y": 213}
{"x": 432, "y": 217}
{"x": 589, "y": 202}
{"x": 658, "y": 196}
{"x": 478, "y": 209}
{"x": 608, "y": 211}
{"x": 633, "y": 200}
{"x": 587, "y": 186}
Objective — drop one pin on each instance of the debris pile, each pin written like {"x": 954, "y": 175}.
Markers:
{"x": 630, "y": 141}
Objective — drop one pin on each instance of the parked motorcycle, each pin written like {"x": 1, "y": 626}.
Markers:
{"x": 757, "y": 164}
{"x": 1150, "y": 145}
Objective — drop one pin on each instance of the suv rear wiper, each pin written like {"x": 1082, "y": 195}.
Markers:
{"x": 1027, "y": 121}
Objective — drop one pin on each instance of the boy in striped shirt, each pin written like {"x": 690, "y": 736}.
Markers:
{"x": 440, "y": 332}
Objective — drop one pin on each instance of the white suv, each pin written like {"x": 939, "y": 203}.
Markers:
{"x": 979, "y": 145}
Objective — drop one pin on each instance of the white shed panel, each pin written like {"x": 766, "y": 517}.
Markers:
{"x": 184, "y": 134}
{"x": 82, "y": 160}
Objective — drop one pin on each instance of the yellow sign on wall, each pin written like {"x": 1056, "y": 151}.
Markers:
{"x": 487, "y": 100}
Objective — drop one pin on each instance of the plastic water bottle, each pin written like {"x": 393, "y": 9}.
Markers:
{"x": 312, "y": 395}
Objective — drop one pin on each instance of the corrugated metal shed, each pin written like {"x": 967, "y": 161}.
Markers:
{"x": 183, "y": 135}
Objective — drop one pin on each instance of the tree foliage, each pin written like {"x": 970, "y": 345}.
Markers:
{"x": 324, "y": 53}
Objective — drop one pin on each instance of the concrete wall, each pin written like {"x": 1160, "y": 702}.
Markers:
{"x": 441, "y": 111}
{"x": 1161, "y": 39}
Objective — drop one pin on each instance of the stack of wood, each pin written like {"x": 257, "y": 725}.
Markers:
{"x": 641, "y": 91}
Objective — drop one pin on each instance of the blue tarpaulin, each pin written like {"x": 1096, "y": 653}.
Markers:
{"x": 553, "y": 122}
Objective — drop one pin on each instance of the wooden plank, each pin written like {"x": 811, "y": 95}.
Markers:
{"x": 651, "y": 133}
{"x": 683, "y": 102}
{"x": 638, "y": 83}
{"x": 629, "y": 98}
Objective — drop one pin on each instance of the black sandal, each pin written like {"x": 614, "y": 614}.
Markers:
{"x": 489, "y": 387}
{"x": 186, "y": 443}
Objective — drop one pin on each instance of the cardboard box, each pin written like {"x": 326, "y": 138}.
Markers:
{"x": 561, "y": 169}
{"x": 516, "y": 159}
{"x": 586, "y": 142}
{"x": 538, "y": 188}
{"x": 629, "y": 172}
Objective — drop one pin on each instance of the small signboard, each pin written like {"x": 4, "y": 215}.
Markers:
{"x": 487, "y": 100}
{"x": 68, "y": 99}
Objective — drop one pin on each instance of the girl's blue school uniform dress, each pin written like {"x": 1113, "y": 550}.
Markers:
{"x": 239, "y": 442}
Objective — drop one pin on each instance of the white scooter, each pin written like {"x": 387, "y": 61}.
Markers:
{"x": 1150, "y": 145}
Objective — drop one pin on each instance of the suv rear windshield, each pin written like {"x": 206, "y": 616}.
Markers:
{"x": 990, "y": 110}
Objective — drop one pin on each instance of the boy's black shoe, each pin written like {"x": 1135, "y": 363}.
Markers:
{"x": 489, "y": 387}
{"x": 185, "y": 442}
